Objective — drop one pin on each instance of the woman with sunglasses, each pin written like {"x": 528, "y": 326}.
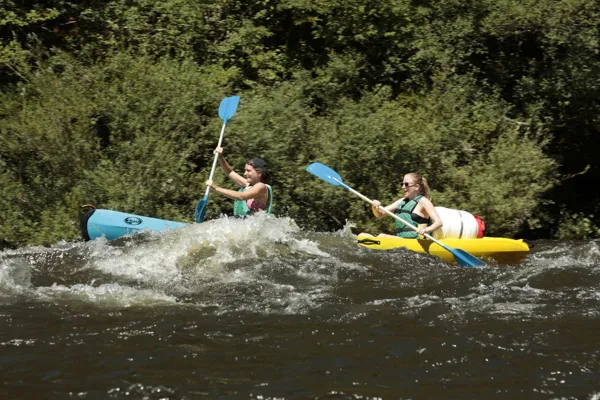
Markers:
{"x": 415, "y": 208}
{"x": 254, "y": 194}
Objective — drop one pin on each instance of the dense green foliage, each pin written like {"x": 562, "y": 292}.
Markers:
{"x": 115, "y": 103}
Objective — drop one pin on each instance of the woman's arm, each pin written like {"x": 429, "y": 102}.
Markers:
{"x": 377, "y": 205}
{"x": 436, "y": 221}
{"x": 252, "y": 193}
{"x": 231, "y": 174}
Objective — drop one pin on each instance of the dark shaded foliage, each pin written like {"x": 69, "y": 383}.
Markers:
{"x": 114, "y": 103}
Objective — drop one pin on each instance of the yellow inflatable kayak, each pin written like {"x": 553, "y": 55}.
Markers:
{"x": 499, "y": 249}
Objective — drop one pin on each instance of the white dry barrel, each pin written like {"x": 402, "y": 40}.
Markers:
{"x": 458, "y": 224}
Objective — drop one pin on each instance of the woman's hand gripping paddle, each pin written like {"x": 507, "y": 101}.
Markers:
{"x": 226, "y": 111}
{"x": 463, "y": 258}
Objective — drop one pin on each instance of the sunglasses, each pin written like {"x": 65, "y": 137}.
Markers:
{"x": 406, "y": 184}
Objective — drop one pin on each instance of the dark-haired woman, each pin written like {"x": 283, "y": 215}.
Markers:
{"x": 254, "y": 194}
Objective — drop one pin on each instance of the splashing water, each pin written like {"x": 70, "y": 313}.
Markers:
{"x": 259, "y": 308}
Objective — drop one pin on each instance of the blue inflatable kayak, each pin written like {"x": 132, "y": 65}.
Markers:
{"x": 96, "y": 223}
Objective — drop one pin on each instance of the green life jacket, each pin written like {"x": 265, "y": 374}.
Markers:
{"x": 405, "y": 211}
{"x": 241, "y": 209}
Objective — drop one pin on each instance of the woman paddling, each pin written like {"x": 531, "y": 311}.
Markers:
{"x": 415, "y": 208}
{"x": 255, "y": 194}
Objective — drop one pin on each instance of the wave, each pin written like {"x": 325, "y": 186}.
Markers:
{"x": 266, "y": 264}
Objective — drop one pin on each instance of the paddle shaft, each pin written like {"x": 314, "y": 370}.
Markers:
{"x": 214, "y": 165}
{"x": 330, "y": 176}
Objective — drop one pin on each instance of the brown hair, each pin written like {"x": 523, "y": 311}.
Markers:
{"x": 422, "y": 182}
{"x": 261, "y": 165}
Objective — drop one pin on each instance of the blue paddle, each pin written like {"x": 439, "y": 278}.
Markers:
{"x": 463, "y": 258}
{"x": 226, "y": 111}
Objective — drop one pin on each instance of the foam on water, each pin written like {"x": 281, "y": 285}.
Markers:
{"x": 105, "y": 295}
{"x": 232, "y": 307}
{"x": 266, "y": 262}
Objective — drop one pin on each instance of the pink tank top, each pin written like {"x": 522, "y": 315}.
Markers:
{"x": 254, "y": 206}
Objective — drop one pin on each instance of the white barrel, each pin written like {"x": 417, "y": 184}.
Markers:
{"x": 458, "y": 224}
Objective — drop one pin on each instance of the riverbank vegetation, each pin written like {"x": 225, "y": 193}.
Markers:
{"x": 495, "y": 102}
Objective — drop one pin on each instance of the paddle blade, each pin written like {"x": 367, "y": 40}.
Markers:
{"x": 201, "y": 209}
{"x": 228, "y": 107}
{"x": 327, "y": 174}
{"x": 465, "y": 259}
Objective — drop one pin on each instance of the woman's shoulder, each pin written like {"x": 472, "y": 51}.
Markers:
{"x": 425, "y": 201}
{"x": 260, "y": 185}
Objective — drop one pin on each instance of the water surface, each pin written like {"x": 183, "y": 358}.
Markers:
{"x": 259, "y": 309}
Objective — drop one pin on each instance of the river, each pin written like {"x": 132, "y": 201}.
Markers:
{"x": 260, "y": 309}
